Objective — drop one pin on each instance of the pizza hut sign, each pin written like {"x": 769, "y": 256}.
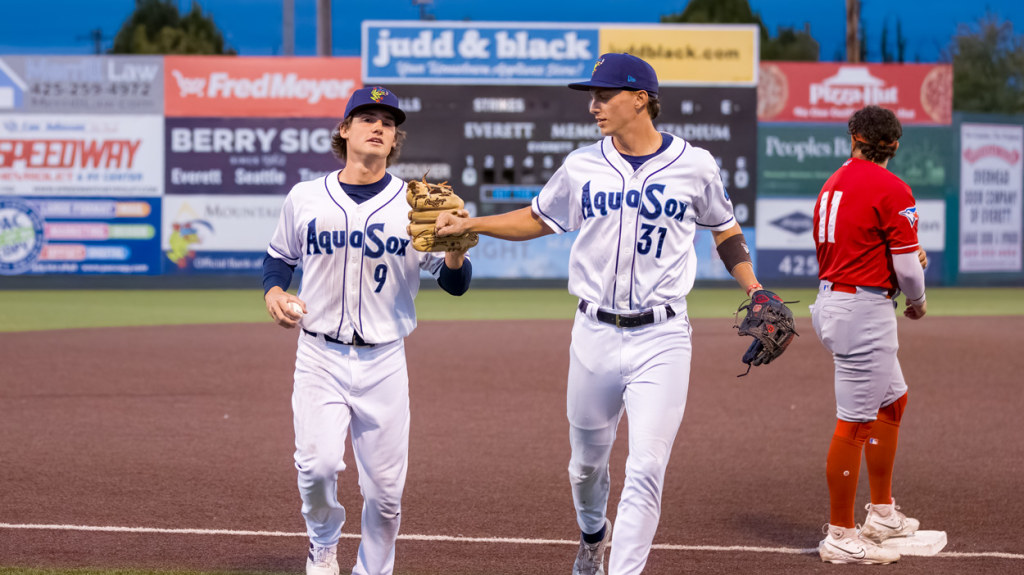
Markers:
{"x": 827, "y": 92}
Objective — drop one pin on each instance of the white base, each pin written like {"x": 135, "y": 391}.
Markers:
{"x": 925, "y": 543}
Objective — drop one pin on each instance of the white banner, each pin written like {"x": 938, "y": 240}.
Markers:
{"x": 990, "y": 197}
{"x": 81, "y": 155}
{"x": 220, "y": 223}
{"x": 785, "y": 224}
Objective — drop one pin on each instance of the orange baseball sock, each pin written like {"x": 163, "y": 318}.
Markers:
{"x": 880, "y": 452}
{"x": 842, "y": 468}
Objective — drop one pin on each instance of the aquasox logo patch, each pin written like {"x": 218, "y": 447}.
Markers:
{"x": 376, "y": 244}
{"x": 377, "y": 94}
{"x": 651, "y": 204}
{"x": 911, "y": 215}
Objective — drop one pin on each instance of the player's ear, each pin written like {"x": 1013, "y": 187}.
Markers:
{"x": 640, "y": 100}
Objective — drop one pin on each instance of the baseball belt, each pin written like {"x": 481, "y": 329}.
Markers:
{"x": 847, "y": 288}
{"x": 357, "y": 341}
{"x": 624, "y": 319}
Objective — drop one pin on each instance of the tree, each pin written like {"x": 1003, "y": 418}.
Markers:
{"x": 790, "y": 44}
{"x": 901, "y": 43}
{"x": 156, "y": 27}
{"x": 988, "y": 67}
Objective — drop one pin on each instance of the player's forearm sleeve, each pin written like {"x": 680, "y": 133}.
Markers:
{"x": 455, "y": 282}
{"x": 276, "y": 273}
{"x": 909, "y": 275}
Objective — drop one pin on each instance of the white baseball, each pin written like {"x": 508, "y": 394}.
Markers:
{"x": 295, "y": 307}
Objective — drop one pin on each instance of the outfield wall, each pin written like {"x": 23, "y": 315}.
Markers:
{"x": 176, "y": 167}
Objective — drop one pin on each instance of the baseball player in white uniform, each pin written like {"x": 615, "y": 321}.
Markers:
{"x": 360, "y": 276}
{"x": 637, "y": 198}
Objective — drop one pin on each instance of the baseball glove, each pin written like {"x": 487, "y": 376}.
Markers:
{"x": 770, "y": 323}
{"x": 427, "y": 202}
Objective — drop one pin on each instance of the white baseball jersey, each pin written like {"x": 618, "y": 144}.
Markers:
{"x": 360, "y": 272}
{"x": 635, "y": 246}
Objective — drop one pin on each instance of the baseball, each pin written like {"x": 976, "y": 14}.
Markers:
{"x": 295, "y": 307}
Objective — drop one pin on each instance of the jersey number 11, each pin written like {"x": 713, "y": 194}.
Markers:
{"x": 827, "y": 225}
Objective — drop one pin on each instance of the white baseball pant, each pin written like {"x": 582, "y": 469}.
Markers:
{"x": 644, "y": 372}
{"x": 366, "y": 390}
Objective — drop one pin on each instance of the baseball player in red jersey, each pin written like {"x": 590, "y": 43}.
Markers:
{"x": 865, "y": 232}
{"x": 637, "y": 198}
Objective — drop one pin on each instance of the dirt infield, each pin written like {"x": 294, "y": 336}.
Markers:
{"x": 190, "y": 428}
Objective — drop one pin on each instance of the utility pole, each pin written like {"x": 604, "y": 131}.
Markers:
{"x": 96, "y": 37}
{"x": 323, "y": 27}
{"x": 288, "y": 28}
{"x": 852, "y": 25}
{"x": 424, "y": 15}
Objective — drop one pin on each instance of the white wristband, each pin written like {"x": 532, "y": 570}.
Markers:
{"x": 917, "y": 301}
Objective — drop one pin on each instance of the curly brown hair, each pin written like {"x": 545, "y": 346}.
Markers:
{"x": 340, "y": 146}
{"x": 876, "y": 132}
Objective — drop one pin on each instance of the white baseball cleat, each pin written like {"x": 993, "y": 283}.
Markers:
{"x": 886, "y": 521}
{"x": 322, "y": 560}
{"x": 590, "y": 558}
{"x": 845, "y": 545}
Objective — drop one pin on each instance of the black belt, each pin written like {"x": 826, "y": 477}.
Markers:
{"x": 626, "y": 320}
{"x": 356, "y": 339}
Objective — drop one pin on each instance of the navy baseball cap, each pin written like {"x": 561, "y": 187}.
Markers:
{"x": 375, "y": 97}
{"x": 623, "y": 71}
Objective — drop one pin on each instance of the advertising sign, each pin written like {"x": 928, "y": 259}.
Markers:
{"x": 79, "y": 236}
{"x": 218, "y": 234}
{"x": 51, "y": 155}
{"x": 82, "y": 84}
{"x": 785, "y": 242}
{"x": 688, "y": 55}
{"x": 246, "y": 155}
{"x": 831, "y": 92}
{"x": 404, "y": 52}
{"x": 990, "y": 197}
{"x": 797, "y": 159}
{"x": 218, "y": 86}
{"x": 508, "y": 141}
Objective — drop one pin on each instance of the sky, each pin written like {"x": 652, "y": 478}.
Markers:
{"x": 253, "y": 27}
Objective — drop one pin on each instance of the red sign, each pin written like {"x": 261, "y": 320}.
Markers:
{"x": 220, "y": 86}
{"x": 832, "y": 92}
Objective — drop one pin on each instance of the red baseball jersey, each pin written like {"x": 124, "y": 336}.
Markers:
{"x": 863, "y": 215}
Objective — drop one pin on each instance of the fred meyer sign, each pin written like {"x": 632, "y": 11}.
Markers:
{"x": 402, "y": 52}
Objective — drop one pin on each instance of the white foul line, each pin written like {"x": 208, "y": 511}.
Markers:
{"x": 453, "y": 539}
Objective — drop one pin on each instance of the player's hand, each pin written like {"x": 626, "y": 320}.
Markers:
{"x": 922, "y": 256}
{"x": 451, "y": 224}
{"x": 279, "y": 307}
{"x": 916, "y": 311}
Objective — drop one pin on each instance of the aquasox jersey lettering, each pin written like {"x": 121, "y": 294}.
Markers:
{"x": 360, "y": 271}
{"x": 643, "y": 222}
{"x": 864, "y": 215}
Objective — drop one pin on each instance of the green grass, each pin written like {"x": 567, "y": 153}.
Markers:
{"x": 68, "y": 309}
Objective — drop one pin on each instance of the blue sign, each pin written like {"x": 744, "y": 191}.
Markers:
{"x": 397, "y": 52}
{"x": 79, "y": 236}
